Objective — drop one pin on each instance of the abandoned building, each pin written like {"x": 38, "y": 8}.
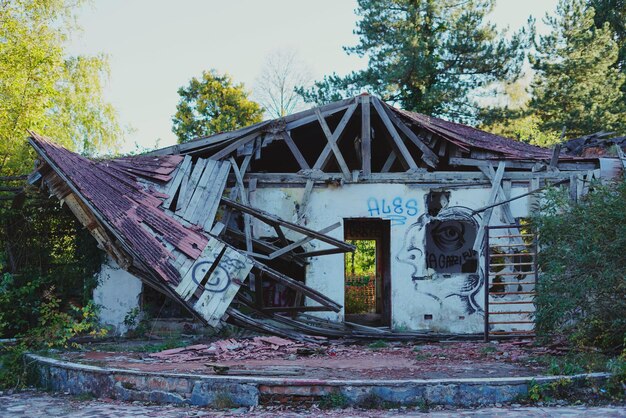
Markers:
{"x": 261, "y": 227}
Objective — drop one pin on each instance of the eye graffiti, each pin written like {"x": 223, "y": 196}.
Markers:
{"x": 448, "y": 236}
{"x": 397, "y": 210}
{"x": 449, "y": 246}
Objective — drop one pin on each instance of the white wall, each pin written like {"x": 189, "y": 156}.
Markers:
{"x": 117, "y": 293}
{"x": 448, "y": 298}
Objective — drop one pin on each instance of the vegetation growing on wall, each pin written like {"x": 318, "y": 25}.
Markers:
{"x": 582, "y": 292}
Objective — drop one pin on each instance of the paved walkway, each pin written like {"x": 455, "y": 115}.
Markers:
{"x": 36, "y": 404}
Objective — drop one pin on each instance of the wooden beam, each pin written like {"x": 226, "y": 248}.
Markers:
{"x": 322, "y": 160}
{"x": 271, "y": 220}
{"x": 332, "y": 142}
{"x": 400, "y": 148}
{"x": 300, "y": 287}
{"x": 303, "y": 241}
{"x": 554, "y": 161}
{"x": 366, "y": 136}
{"x": 528, "y": 165}
{"x": 428, "y": 155}
{"x": 389, "y": 162}
{"x": 495, "y": 188}
{"x": 304, "y": 203}
{"x": 295, "y": 151}
{"x": 244, "y": 198}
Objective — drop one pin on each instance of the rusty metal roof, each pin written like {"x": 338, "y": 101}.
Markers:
{"x": 113, "y": 188}
{"x": 467, "y": 137}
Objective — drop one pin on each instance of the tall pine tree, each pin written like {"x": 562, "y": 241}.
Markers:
{"x": 577, "y": 83}
{"x": 426, "y": 55}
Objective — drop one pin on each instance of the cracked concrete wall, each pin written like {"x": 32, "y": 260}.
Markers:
{"x": 117, "y": 293}
{"x": 420, "y": 298}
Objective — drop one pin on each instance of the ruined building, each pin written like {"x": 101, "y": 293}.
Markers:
{"x": 258, "y": 226}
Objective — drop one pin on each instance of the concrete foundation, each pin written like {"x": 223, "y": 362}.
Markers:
{"x": 213, "y": 390}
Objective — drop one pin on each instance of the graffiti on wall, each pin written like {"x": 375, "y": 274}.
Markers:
{"x": 449, "y": 246}
{"x": 443, "y": 244}
{"x": 398, "y": 209}
{"x": 220, "y": 278}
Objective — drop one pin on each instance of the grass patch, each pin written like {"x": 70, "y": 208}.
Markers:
{"x": 377, "y": 345}
{"x": 334, "y": 401}
{"x": 223, "y": 401}
{"x": 422, "y": 356}
{"x": 488, "y": 349}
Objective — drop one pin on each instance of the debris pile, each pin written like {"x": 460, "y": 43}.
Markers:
{"x": 258, "y": 348}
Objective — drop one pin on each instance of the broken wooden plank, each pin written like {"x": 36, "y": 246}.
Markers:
{"x": 304, "y": 203}
{"x": 185, "y": 195}
{"x": 195, "y": 200}
{"x": 212, "y": 201}
{"x": 222, "y": 286}
{"x": 271, "y": 220}
{"x": 176, "y": 181}
{"x": 301, "y": 242}
{"x": 299, "y": 286}
{"x": 193, "y": 278}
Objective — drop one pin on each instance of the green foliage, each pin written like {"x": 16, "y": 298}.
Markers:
{"x": 42, "y": 245}
{"x": 45, "y": 90}
{"x": 213, "y": 104}
{"x": 362, "y": 261}
{"x": 577, "y": 84}
{"x": 56, "y": 327}
{"x": 613, "y": 14}
{"x": 334, "y": 400}
{"x": 377, "y": 345}
{"x": 582, "y": 291}
{"x": 426, "y": 55}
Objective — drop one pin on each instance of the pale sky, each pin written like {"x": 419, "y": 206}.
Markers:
{"x": 156, "y": 46}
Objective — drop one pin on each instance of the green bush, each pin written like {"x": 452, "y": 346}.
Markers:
{"x": 582, "y": 291}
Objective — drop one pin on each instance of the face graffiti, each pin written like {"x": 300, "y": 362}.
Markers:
{"x": 448, "y": 240}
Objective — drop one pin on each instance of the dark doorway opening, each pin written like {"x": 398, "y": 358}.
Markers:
{"x": 367, "y": 292}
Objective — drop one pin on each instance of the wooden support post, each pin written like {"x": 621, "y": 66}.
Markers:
{"x": 366, "y": 136}
{"x": 304, "y": 203}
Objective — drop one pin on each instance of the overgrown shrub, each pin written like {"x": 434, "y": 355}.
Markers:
{"x": 582, "y": 291}
{"x": 42, "y": 246}
{"x": 48, "y": 264}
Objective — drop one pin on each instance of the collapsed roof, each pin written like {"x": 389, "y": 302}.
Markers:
{"x": 179, "y": 217}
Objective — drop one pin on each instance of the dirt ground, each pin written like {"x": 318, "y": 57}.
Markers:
{"x": 286, "y": 358}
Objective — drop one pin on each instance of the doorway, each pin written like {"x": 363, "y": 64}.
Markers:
{"x": 367, "y": 291}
